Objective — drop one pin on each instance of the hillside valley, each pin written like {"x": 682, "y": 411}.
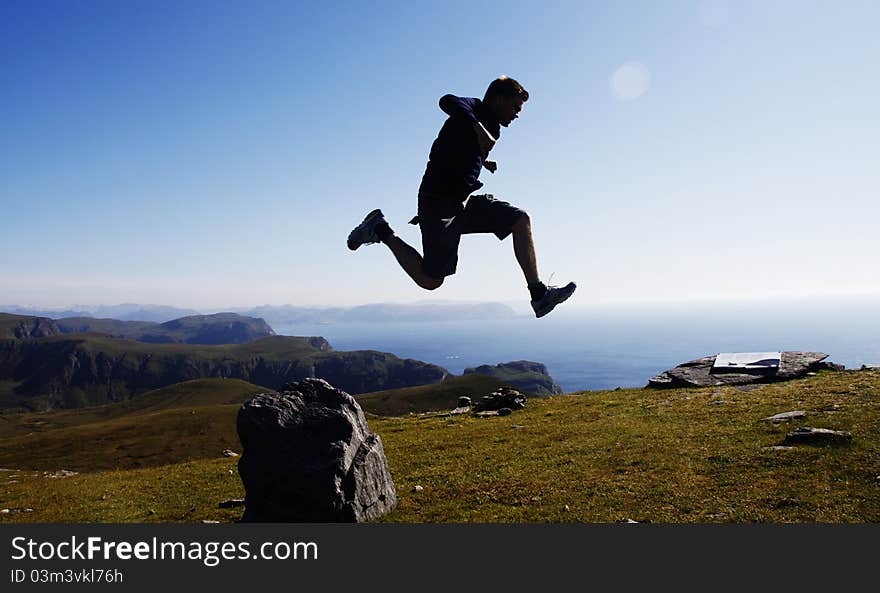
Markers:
{"x": 677, "y": 455}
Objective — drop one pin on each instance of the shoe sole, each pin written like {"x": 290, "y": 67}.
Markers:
{"x": 367, "y": 218}
{"x": 565, "y": 298}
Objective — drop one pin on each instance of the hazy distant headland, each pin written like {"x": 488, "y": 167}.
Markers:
{"x": 286, "y": 315}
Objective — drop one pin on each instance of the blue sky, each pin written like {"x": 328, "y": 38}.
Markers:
{"x": 214, "y": 154}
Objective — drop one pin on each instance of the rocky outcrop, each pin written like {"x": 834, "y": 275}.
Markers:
{"x": 25, "y": 326}
{"x": 699, "y": 372}
{"x": 309, "y": 456}
{"x": 529, "y": 376}
{"x": 72, "y": 372}
{"x": 500, "y": 399}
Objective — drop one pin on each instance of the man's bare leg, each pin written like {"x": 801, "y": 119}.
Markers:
{"x": 411, "y": 262}
{"x": 375, "y": 229}
{"x": 544, "y": 298}
{"x": 524, "y": 248}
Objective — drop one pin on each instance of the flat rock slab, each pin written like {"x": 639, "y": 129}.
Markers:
{"x": 786, "y": 416}
{"x": 700, "y": 373}
{"x": 807, "y": 435}
{"x": 456, "y": 412}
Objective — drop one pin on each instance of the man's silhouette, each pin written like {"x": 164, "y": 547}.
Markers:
{"x": 447, "y": 208}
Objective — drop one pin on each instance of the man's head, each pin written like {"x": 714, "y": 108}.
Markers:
{"x": 505, "y": 97}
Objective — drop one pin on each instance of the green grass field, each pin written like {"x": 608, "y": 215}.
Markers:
{"x": 676, "y": 456}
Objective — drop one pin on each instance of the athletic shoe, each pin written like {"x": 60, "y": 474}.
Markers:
{"x": 365, "y": 232}
{"x": 551, "y": 298}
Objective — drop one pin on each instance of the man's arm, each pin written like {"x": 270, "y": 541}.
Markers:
{"x": 459, "y": 107}
{"x": 464, "y": 108}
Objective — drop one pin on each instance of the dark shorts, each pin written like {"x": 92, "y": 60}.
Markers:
{"x": 442, "y": 230}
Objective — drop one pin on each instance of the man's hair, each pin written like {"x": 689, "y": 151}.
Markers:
{"x": 506, "y": 87}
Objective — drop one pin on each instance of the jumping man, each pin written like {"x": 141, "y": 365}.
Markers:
{"x": 447, "y": 208}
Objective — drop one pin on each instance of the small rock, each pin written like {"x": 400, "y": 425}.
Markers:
{"x": 780, "y": 448}
{"x": 747, "y": 388}
{"x": 232, "y": 502}
{"x": 628, "y": 521}
{"x": 516, "y": 426}
{"x": 785, "y": 416}
{"x": 4, "y": 511}
{"x": 231, "y": 472}
{"x": 209, "y": 521}
{"x": 818, "y": 436}
{"x": 486, "y": 413}
{"x": 566, "y": 508}
{"x": 718, "y": 402}
{"x": 28, "y": 511}
{"x": 229, "y": 453}
{"x": 464, "y": 401}
{"x": 831, "y": 408}
{"x": 417, "y": 488}
{"x": 151, "y": 512}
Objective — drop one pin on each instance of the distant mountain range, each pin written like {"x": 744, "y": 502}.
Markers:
{"x": 122, "y": 312}
{"x": 286, "y": 315}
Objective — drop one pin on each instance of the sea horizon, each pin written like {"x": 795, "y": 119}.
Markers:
{"x": 594, "y": 348}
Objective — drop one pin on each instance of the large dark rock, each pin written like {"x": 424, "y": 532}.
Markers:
{"x": 309, "y": 456}
{"x": 529, "y": 376}
{"x": 699, "y": 372}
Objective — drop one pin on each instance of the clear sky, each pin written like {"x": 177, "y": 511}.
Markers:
{"x": 213, "y": 154}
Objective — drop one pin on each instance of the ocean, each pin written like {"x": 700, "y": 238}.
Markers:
{"x": 603, "y": 347}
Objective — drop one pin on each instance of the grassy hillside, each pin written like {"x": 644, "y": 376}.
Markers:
{"x": 680, "y": 455}
{"x": 191, "y": 420}
{"x": 425, "y": 398}
{"x": 189, "y": 394}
